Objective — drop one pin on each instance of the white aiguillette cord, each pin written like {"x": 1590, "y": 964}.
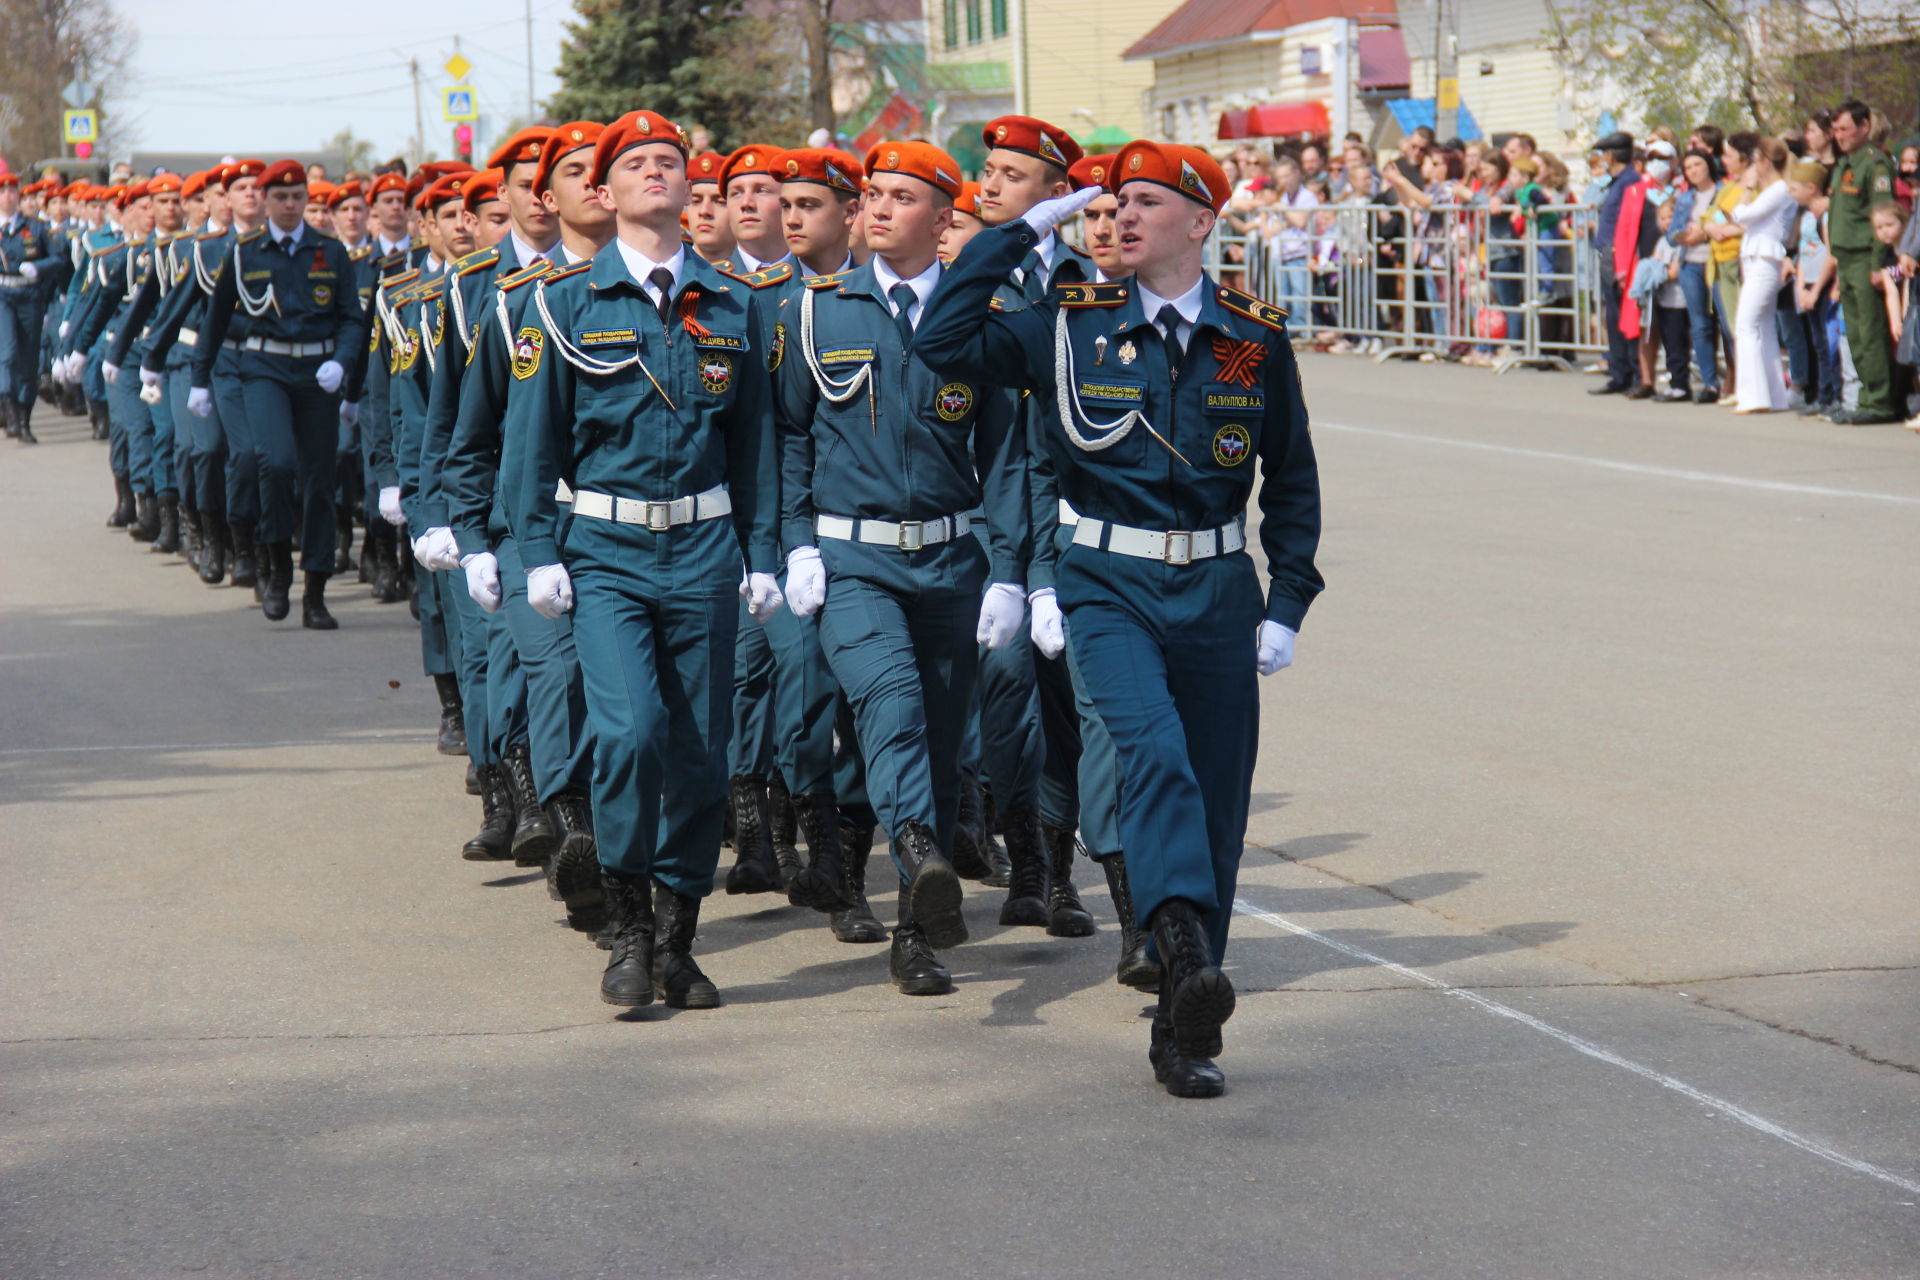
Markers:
{"x": 580, "y": 359}
{"x": 1072, "y": 417}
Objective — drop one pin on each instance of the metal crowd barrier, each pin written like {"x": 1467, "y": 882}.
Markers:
{"x": 1403, "y": 282}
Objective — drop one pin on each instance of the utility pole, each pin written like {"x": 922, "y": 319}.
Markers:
{"x": 531, "y": 117}
{"x": 1446, "y": 68}
{"x": 419, "y": 120}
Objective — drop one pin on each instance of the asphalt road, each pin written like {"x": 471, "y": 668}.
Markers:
{"x": 1578, "y": 928}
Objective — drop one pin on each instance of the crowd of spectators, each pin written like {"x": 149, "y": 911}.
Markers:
{"x": 1762, "y": 273}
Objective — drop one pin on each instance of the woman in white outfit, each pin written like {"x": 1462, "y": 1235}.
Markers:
{"x": 1766, "y": 221}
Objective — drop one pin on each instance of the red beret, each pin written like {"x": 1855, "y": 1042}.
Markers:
{"x": 920, "y": 160}
{"x": 9, "y": 180}
{"x": 161, "y": 184}
{"x": 384, "y": 183}
{"x": 705, "y": 167}
{"x": 1031, "y": 137}
{"x": 755, "y": 157}
{"x": 129, "y": 194}
{"x": 232, "y": 173}
{"x": 80, "y": 191}
{"x": 30, "y": 188}
{"x": 968, "y": 201}
{"x": 194, "y": 184}
{"x": 825, "y": 165}
{"x": 481, "y": 187}
{"x": 320, "y": 192}
{"x": 634, "y": 129}
{"x": 451, "y": 186}
{"x": 1090, "y": 171}
{"x": 283, "y": 173}
{"x": 341, "y": 194}
{"x": 1188, "y": 170}
{"x": 524, "y": 147}
{"x": 567, "y": 138}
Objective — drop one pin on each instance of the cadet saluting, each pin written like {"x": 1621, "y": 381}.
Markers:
{"x": 1166, "y": 387}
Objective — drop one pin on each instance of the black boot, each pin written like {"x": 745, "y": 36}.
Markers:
{"x": 784, "y": 828}
{"x": 26, "y": 424}
{"x": 856, "y": 923}
{"x": 932, "y": 894}
{"x": 496, "y": 820}
{"x": 382, "y": 547}
{"x": 123, "y": 504}
{"x": 573, "y": 873}
{"x": 1135, "y": 969}
{"x": 822, "y": 885}
{"x": 970, "y": 831}
{"x": 453, "y": 723}
{"x": 1066, "y": 918}
{"x": 1182, "y": 1074}
{"x": 101, "y": 419}
{"x": 246, "y": 563}
{"x": 912, "y": 964}
{"x": 628, "y": 980}
{"x": 146, "y": 518}
{"x": 534, "y": 836}
{"x": 11, "y": 413}
{"x": 191, "y": 546}
{"x": 276, "y": 593}
{"x": 1027, "y": 893}
{"x": 473, "y": 778}
{"x": 313, "y": 603}
{"x": 1193, "y": 993}
{"x": 213, "y": 550}
{"x": 753, "y": 869}
{"x": 677, "y": 979}
{"x": 168, "y": 540}
{"x": 343, "y": 538}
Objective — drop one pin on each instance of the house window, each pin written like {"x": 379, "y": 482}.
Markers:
{"x": 999, "y": 17}
{"x": 950, "y": 21}
{"x": 973, "y": 21}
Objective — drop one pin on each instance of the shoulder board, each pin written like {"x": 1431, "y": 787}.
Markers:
{"x": 405, "y": 277}
{"x": 826, "y": 282}
{"x": 779, "y": 273}
{"x": 476, "y": 260}
{"x": 430, "y": 289}
{"x": 211, "y": 235}
{"x": 1076, "y": 251}
{"x": 563, "y": 272}
{"x": 1252, "y": 308}
{"x": 418, "y": 242}
{"x": 250, "y": 236}
{"x": 360, "y": 254}
{"x": 513, "y": 279}
{"x": 1085, "y": 293}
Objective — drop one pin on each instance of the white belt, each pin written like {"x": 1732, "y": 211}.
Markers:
{"x": 1068, "y": 516}
{"x": 16, "y": 282}
{"x": 654, "y": 515}
{"x": 907, "y": 535}
{"x": 188, "y": 337}
{"x": 295, "y": 349}
{"x": 562, "y": 494}
{"x": 108, "y": 337}
{"x": 1181, "y": 546}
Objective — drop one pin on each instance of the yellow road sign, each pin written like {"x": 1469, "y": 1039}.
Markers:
{"x": 457, "y": 102}
{"x": 80, "y": 126}
{"x": 457, "y": 67}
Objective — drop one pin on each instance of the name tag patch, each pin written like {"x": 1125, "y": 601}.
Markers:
{"x": 605, "y": 337}
{"x": 1131, "y": 392}
{"x": 725, "y": 341}
{"x": 843, "y": 355}
{"x": 1236, "y": 401}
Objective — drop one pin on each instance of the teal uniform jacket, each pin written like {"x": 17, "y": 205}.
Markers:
{"x": 386, "y": 360}
{"x": 469, "y": 297}
{"x": 420, "y": 319}
{"x": 170, "y": 267}
{"x": 308, "y": 295}
{"x": 185, "y": 306}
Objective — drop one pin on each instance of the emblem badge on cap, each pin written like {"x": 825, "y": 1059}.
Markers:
{"x": 1133, "y": 165}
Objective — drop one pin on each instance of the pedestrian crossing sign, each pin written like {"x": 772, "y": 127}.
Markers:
{"x": 80, "y": 126}
{"x": 458, "y": 103}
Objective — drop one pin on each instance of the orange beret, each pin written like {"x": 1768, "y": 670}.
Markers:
{"x": 138, "y": 191}
{"x": 1031, "y": 137}
{"x": 344, "y": 192}
{"x": 524, "y": 147}
{"x": 450, "y": 186}
{"x": 231, "y": 173}
{"x": 755, "y": 157}
{"x": 161, "y": 184}
{"x": 1090, "y": 171}
{"x": 30, "y": 188}
{"x": 1188, "y": 170}
{"x": 320, "y": 192}
{"x": 195, "y": 184}
{"x": 634, "y": 129}
{"x": 968, "y": 201}
{"x": 284, "y": 173}
{"x": 482, "y": 187}
{"x": 384, "y": 183}
{"x": 705, "y": 167}
{"x": 825, "y": 165}
{"x": 567, "y": 138}
{"x": 78, "y": 191}
{"x": 9, "y": 180}
{"x": 920, "y": 160}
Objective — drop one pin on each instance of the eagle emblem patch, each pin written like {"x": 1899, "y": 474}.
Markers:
{"x": 527, "y": 345}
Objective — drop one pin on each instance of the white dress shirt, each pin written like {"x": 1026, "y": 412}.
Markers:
{"x": 526, "y": 255}
{"x": 640, "y": 266}
{"x": 886, "y": 277}
{"x": 1187, "y": 304}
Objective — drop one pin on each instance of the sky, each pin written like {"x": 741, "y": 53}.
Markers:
{"x": 260, "y": 76}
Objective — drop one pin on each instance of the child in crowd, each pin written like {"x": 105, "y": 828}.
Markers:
{"x": 1669, "y": 314}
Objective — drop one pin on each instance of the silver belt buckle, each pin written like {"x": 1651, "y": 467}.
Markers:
{"x": 659, "y": 516}
{"x": 913, "y": 535}
{"x": 1179, "y": 548}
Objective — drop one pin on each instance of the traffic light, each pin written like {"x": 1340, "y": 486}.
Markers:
{"x": 83, "y": 150}
{"x": 463, "y": 143}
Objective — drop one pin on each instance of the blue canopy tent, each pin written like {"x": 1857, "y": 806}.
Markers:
{"x": 1411, "y": 113}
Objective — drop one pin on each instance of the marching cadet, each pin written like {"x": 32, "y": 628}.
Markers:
{"x": 26, "y": 249}
{"x": 297, "y": 289}
{"x": 882, "y": 460}
{"x": 389, "y": 248}
{"x": 966, "y": 223}
{"x": 1166, "y": 387}
{"x": 347, "y": 214}
{"x": 1099, "y": 239}
{"x": 100, "y": 235}
{"x": 707, "y": 227}
{"x": 643, "y": 388}
{"x": 152, "y": 416}
{"x": 751, "y": 190}
{"x": 387, "y": 207}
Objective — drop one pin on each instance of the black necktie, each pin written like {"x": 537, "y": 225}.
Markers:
{"x": 903, "y": 299}
{"x": 1170, "y": 321}
{"x": 662, "y": 279}
{"x": 1033, "y": 276}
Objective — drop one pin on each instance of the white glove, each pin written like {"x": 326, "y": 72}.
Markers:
{"x": 1275, "y": 648}
{"x": 1048, "y": 214}
{"x": 390, "y": 508}
{"x": 199, "y": 402}
{"x": 549, "y": 590}
{"x": 436, "y": 549}
{"x": 59, "y": 369}
{"x": 151, "y": 392}
{"x": 148, "y": 378}
{"x": 110, "y": 371}
{"x": 66, "y": 327}
{"x": 1048, "y": 630}
{"x": 483, "y": 579}
{"x": 76, "y": 365}
{"x": 30, "y": 271}
{"x": 1002, "y": 610}
{"x": 349, "y": 412}
{"x": 762, "y": 595}
{"x": 329, "y": 375}
{"x": 806, "y": 581}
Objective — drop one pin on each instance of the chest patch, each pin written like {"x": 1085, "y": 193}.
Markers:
{"x": 1129, "y": 392}
{"x": 322, "y": 295}
{"x": 606, "y": 337}
{"x": 954, "y": 402}
{"x": 846, "y": 355}
{"x": 1235, "y": 402}
{"x": 527, "y": 345}
{"x": 1231, "y": 445}
{"x": 716, "y": 372}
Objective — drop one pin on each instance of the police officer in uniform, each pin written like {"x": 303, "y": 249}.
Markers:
{"x": 1167, "y": 388}
{"x": 1862, "y": 178}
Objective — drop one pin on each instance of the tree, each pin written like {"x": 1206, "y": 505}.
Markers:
{"x": 43, "y": 45}
{"x": 357, "y": 154}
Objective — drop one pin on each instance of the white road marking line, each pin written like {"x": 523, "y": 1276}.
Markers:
{"x": 218, "y": 746}
{"x": 1637, "y": 468}
{"x": 1592, "y": 1050}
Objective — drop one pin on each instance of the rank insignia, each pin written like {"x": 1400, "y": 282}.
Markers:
{"x": 716, "y": 372}
{"x": 1128, "y": 353}
{"x": 779, "y": 349}
{"x": 953, "y": 402}
{"x": 1231, "y": 445}
{"x": 526, "y": 352}
{"x": 322, "y": 295}
{"x": 1239, "y": 361}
